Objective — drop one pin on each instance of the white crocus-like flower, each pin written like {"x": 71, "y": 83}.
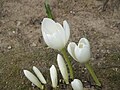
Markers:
{"x": 53, "y": 75}
{"x": 77, "y": 84}
{"x": 33, "y": 79}
{"x": 63, "y": 68}
{"x": 80, "y": 52}
{"x": 55, "y": 36}
{"x": 39, "y": 75}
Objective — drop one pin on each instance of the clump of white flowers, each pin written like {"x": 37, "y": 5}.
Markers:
{"x": 56, "y": 36}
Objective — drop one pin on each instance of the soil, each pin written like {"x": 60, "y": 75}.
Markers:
{"x": 22, "y": 45}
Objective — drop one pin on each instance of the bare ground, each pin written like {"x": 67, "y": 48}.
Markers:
{"x": 22, "y": 45}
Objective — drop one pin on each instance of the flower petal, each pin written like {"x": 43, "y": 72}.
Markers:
{"x": 48, "y": 26}
{"x": 77, "y": 84}
{"x": 53, "y": 75}
{"x": 61, "y": 33}
{"x": 78, "y": 53}
{"x": 47, "y": 40}
{"x": 39, "y": 75}
{"x": 56, "y": 41}
{"x": 85, "y": 41}
{"x": 63, "y": 68}
{"x": 82, "y": 54}
{"x": 67, "y": 29}
{"x": 71, "y": 48}
{"x": 33, "y": 79}
{"x": 53, "y": 41}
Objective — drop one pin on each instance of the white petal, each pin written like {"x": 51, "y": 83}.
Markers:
{"x": 33, "y": 79}
{"x": 82, "y": 54}
{"x": 53, "y": 75}
{"x": 85, "y": 41}
{"x": 61, "y": 33}
{"x": 78, "y": 52}
{"x": 39, "y": 75}
{"x": 48, "y": 41}
{"x": 48, "y": 26}
{"x": 53, "y": 41}
{"x": 56, "y": 41}
{"x": 77, "y": 84}
{"x": 71, "y": 49}
{"x": 67, "y": 30}
{"x": 63, "y": 68}
{"x": 59, "y": 27}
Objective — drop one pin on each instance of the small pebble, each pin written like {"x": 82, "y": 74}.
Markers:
{"x": 108, "y": 51}
{"x": 6, "y": 82}
{"x": 34, "y": 45}
{"x": 11, "y": 63}
{"x": 13, "y": 32}
{"x": 115, "y": 69}
{"x": 72, "y": 12}
{"x": 33, "y": 61}
{"x": 33, "y": 85}
{"x": 18, "y": 23}
{"x": 85, "y": 68}
{"x": 9, "y": 47}
{"x": 83, "y": 71}
{"x": 23, "y": 83}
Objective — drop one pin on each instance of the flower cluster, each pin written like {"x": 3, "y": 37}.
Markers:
{"x": 56, "y": 36}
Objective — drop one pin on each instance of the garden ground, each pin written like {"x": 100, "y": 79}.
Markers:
{"x": 22, "y": 45}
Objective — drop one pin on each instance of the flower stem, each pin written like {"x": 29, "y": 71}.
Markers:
{"x": 63, "y": 51}
{"x": 48, "y": 10}
{"x": 88, "y": 66}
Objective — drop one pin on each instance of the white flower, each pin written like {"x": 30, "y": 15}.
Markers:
{"x": 77, "y": 84}
{"x": 53, "y": 75}
{"x": 54, "y": 34}
{"x": 33, "y": 79}
{"x": 39, "y": 75}
{"x": 63, "y": 68}
{"x": 80, "y": 52}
